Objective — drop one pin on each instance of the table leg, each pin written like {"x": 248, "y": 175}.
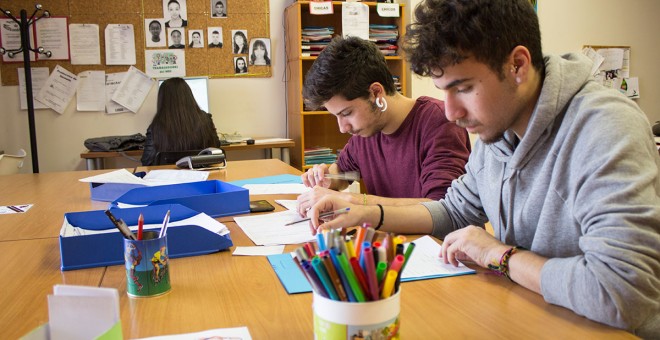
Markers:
{"x": 285, "y": 155}
{"x": 90, "y": 163}
{"x": 99, "y": 163}
{"x": 268, "y": 153}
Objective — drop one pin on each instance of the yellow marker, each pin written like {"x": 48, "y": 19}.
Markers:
{"x": 350, "y": 249}
{"x": 388, "y": 285}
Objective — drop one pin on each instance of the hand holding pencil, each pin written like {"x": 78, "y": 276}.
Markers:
{"x": 353, "y": 216}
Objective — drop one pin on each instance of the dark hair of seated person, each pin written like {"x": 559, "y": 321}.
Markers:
{"x": 179, "y": 123}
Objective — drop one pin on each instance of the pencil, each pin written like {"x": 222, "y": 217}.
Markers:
{"x": 325, "y": 214}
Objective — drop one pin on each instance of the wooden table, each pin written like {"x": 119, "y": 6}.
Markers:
{"x": 95, "y": 159}
{"x": 220, "y": 290}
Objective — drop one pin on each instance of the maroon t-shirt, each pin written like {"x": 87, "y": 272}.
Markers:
{"x": 418, "y": 160}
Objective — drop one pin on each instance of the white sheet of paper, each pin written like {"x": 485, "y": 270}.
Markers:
{"x": 258, "y": 251}
{"x": 613, "y": 58}
{"x": 288, "y": 204}
{"x": 10, "y": 35}
{"x": 272, "y": 189}
{"x": 424, "y": 261}
{"x": 5, "y": 209}
{"x": 53, "y": 36}
{"x": 271, "y": 140}
{"x": 595, "y": 57}
{"x": 238, "y": 333}
{"x": 82, "y": 312}
{"x": 90, "y": 84}
{"x": 85, "y": 45}
{"x": 270, "y": 229}
{"x": 59, "y": 89}
{"x": 152, "y": 178}
{"x": 133, "y": 89}
{"x": 355, "y": 20}
{"x": 165, "y": 63}
{"x": 112, "y": 81}
{"x": 119, "y": 44}
{"x": 39, "y": 76}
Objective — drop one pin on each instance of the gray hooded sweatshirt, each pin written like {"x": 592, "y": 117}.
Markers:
{"x": 582, "y": 188}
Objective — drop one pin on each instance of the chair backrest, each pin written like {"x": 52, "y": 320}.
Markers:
{"x": 170, "y": 157}
{"x": 11, "y": 164}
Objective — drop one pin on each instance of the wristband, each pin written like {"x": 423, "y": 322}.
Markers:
{"x": 364, "y": 199}
{"x": 382, "y": 215}
{"x": 502, "y": 269}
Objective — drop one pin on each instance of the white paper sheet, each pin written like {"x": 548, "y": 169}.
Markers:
{"x": 425, "y": 261}
{"x": 39, "y": 77}
{"x": 59, "y": 89}
{"x": 613, "y": 58}
{"x": 270, "y": 229}
{"x": 10, "y": 35}
{"x": 355, "y": 20}
{"x": 85, "y": 45}
{"x": 152, "y": 178}
{"x": 119, "y": 44}
{"x": 77, "y": 312}
{"x": 112, "y": 81}
{"x": 595, "y": 57}
{"x": 271, "y": 140}
{"x": 288, "y": 204}
{"x": 133, "y": 89}
{"x": 258, "y": 251}
{"x": 165, "y": 63}
{"x": 53, "y": 36}
{"x": 90, "y": 84}
{"x": 238, "y": 333}
{"x": 272, "y": 189}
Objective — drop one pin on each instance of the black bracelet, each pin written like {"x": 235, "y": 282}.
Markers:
{"x": 382, "y": 215}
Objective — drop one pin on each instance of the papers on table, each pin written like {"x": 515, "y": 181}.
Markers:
{"x": 152, "y": 178}
{"x": 277, "y": 179}
{"x": 15, "y": 209}
{"x": 79, "y": 312}
{"x": 288, "y": 204}
{"x": 269, "y": 229}
{"x": 258, "y": 251}
{"x": 58, "y": 90}
{"x": 238, "y": 333}
{"x": 85, "y": 46}
{"x": 272, "y": 189}
{"x": 271, "y": 140}
{"x": 424, "y": 263}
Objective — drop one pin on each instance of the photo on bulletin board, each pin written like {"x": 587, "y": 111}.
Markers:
{"x": 176, "y": 38}
{"x": 174, "y": 11}
{"x": 239, "y": 41}
{"x": 240, "y": 65}
{"x": 260, "y": 51}
{"x": 215, "y": 36}
{"x": 196, "y": 38}
{"x": 154, "y": 33}
{"x": 218, "y": 8}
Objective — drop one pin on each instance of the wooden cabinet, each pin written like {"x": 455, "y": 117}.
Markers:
{"x": 319, "y": 128}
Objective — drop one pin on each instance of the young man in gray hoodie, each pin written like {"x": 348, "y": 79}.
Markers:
{"x": 565, "y": 170}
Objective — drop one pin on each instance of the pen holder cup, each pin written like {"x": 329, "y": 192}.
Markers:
{"x": 147, "y": 265}
{"x": 356, "y": 320}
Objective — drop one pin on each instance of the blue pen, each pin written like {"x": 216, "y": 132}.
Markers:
{"x": 319, "y": 268}
{"x": 320, "y": 240}
{"x": 342, "y": 275}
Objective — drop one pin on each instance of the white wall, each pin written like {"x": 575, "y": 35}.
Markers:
{"x": 252, "y": 106}
{"x": 567, "y": 25}
{"x": 256, "y": 107}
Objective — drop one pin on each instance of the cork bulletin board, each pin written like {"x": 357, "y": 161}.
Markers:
{"x": 252, "y": 16}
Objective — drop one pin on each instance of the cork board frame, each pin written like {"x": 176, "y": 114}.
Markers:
{"x": 253, "y": 16}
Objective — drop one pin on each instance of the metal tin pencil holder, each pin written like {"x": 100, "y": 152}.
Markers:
{"x": 147, "y": 266}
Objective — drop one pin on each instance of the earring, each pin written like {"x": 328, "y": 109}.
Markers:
{"x": 382, "y": 105}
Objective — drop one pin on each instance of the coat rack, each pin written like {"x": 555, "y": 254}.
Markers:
{"x": 24, "y": 25}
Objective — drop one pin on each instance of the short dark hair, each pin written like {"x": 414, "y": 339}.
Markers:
{"x": 446, "y": 32}
{"x": 346, "y": 67}
{"x": 155, "y": 22}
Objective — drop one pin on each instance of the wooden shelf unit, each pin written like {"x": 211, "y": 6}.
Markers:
{"x": 319, "y": 128}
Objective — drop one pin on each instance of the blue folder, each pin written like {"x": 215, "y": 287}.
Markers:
{"x": 277, "y": 179}
{"x": 214, "y": 198}
{"x": 86, "y": 251}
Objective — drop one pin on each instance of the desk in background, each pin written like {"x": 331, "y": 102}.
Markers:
{"x": 220, "y": 290}
{"x": 95, "y": 159}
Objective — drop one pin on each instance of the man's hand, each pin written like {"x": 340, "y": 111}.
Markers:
{"x": 357, "y": 214}
{"x": 316, "y": 176}
{"x": 473, "y": 244}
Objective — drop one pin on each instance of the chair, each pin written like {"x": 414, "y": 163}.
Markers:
{"x": 10, "y": 164}
{"x": 170, "y": 157}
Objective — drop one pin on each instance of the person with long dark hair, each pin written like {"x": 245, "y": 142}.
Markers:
{"x": 240, "y": 43}
{"x": 259, "y": 54}
{"x": 179, "y": 123}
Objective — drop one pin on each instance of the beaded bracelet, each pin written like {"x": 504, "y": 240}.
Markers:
{"x": 503, "y": 268}
{"x": 382, "y": 215}
{"x": 364, "y": 199}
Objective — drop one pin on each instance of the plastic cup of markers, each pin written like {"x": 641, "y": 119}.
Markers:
{"x": 147, "y": 266}
{"x": 356, "y": 320}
